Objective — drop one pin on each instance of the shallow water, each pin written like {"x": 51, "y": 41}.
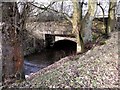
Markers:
{"x": 38, "y": 61}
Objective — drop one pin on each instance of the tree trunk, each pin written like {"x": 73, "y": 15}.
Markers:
{"x": 103, "y": 18}
{"x": 80, "y": 7}
{"x": 87, "y": 21}
{"x": 0, "y": 54}
{"x": 111, "y": 16}
{"x": 76, "y": 26}
{"x": 11, "y": 46}
{"x": 0, "y": 43}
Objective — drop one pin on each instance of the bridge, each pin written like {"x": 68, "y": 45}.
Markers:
{"x": 52, "y": 27}
{"x": 53, "y": 31}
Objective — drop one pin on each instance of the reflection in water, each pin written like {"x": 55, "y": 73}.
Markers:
{"x": 37, "y": 61}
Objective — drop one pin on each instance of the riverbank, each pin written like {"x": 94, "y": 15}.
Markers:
{"x": 97, "y": 67}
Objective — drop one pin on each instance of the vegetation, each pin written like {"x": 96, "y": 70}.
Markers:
{"x": 15, "y": 19}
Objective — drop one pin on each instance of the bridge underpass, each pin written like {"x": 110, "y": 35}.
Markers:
{"x": 59, "y": 43}
{"x": 57, "y": 35}
{"x": 57, "y": 47}
{"x": 52, "y": 31}
{"x": 51, "y": 39}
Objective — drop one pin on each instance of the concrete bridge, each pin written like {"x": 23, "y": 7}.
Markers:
{"x": 53, "y": 31}
{"x": 51, "y": 27}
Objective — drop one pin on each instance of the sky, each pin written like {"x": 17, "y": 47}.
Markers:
{"x": 68, "y": 6}
{"x": 68, "y": 3}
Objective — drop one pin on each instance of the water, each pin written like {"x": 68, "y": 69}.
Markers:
{"x": 38, "y": 61}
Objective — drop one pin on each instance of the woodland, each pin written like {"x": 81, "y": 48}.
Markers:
{"x": 94, "y": 26}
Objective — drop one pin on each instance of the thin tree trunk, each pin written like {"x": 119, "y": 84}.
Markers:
{"x": 111, "y": 17}
{"x": 0, "y": 42}
{"x": 80, "y": 7}
{"x": 103, "y": 18}
{"x": 0, "y": 54}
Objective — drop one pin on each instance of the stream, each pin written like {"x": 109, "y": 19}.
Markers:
{"x": 46, "y": 57}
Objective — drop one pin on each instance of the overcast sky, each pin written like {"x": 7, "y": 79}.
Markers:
{"x": 104, "y": 3}
{"x": 68, "y": 5}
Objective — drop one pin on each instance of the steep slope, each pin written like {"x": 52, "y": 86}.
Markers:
{"x": 96, "y": 68}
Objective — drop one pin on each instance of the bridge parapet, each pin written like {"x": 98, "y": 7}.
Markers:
{"x": 52, "y": 27}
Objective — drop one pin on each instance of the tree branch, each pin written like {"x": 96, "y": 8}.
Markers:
{"x": 47, "y": 8}
{"x": 66, "y": 15}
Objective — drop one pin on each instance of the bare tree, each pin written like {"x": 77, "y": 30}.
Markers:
{"x": 0, "y": 54}
{"x": 87, "y": 21}
{"x": 78, "y": 23}
{"x": 14, "y": 24}
{"x": 111, "y": 16}
{"x": 103, "y": 12}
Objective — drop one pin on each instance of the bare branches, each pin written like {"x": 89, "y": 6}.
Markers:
{"x": 66, "y": 15}
{"x": 42, "y": 8}
{"x": 45, "y": 8}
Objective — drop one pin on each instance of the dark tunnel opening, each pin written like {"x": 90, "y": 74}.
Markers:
{"x": 68, "y": 46}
